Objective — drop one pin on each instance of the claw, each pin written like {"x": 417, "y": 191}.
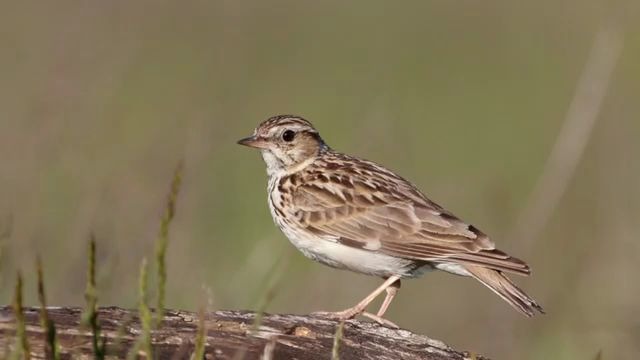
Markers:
{"x": 362, "y": 305}
{"x": 380, "y": 320}
{"x": 336, "y": 315}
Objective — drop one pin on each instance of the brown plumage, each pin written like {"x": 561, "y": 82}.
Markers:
{"x": 355, "y": 214}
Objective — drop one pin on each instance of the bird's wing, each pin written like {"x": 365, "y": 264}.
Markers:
{"x": 393, "y": 217}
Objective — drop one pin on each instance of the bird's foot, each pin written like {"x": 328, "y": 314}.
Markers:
{"x": 349, "y": 314}
{"x": 343, "y": 315}
{"x": 380, "y": 320}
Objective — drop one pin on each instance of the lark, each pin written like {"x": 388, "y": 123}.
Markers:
{"x": 353, "y": 214}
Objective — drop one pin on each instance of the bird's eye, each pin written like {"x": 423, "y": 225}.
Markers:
{"x": 288, "y": 135}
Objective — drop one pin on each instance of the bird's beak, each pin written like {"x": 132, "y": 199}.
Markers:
{"x": 254, "y": 142}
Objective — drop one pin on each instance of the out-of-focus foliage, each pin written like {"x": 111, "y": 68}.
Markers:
{"x": 100, "y": 100}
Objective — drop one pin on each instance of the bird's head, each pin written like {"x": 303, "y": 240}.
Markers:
{"x": 288, "y": 143}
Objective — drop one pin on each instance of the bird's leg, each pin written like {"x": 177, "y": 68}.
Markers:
{"x": 359, "y": 307}
{"x": 392, "y": 290}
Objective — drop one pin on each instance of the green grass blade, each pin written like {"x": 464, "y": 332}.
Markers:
{"x": 198, "y": 353}
{"x": 90, "y": 315}
{"x": 52, "y": 349}
{"x": 162, "y": 241}
{"x": 144, "y": 341}
{"x": 22, "y": 344}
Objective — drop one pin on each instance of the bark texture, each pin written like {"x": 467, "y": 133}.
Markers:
{"x": 229, "y": 335}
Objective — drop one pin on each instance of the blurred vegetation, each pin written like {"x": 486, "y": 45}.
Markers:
{"x": 100, "y": 100}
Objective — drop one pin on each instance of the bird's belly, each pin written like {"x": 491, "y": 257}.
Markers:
{"x": 340, "y": 256}
{"x": 337, "y": 255}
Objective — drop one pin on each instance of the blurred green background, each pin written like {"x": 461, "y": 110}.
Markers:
{"x": 101, "y": 99}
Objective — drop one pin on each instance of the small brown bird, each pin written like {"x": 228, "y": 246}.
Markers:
{"x": 354, "y": 214}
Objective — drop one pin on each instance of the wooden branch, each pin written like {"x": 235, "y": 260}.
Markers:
{"x": 229, "y": 335}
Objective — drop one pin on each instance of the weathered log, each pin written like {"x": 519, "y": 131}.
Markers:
{"x": 229, "y": 335}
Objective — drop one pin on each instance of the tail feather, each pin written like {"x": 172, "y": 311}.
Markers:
{"x": 507, "y": 290}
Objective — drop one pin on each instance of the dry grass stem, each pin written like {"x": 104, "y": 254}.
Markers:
{"x": 573, "y": 137}
{"x": 568, "y": 149}
{"x": 335, "y": 351}
{"x": 163, "y": 241}
{"x": 269, "y": 348}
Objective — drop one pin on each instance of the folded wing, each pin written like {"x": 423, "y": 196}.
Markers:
{"x": 396, "y": 221}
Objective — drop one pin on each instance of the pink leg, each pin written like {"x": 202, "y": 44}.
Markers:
{"x": 359, "y": 308}
{"x": 391, "y": 293}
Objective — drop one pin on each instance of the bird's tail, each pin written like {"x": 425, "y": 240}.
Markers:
{"x": 507, "y": 290}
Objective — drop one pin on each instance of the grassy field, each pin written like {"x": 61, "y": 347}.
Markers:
{"x": 101, "y": 100}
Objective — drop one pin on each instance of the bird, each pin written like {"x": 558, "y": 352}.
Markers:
{"x": 354, "y": 214}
